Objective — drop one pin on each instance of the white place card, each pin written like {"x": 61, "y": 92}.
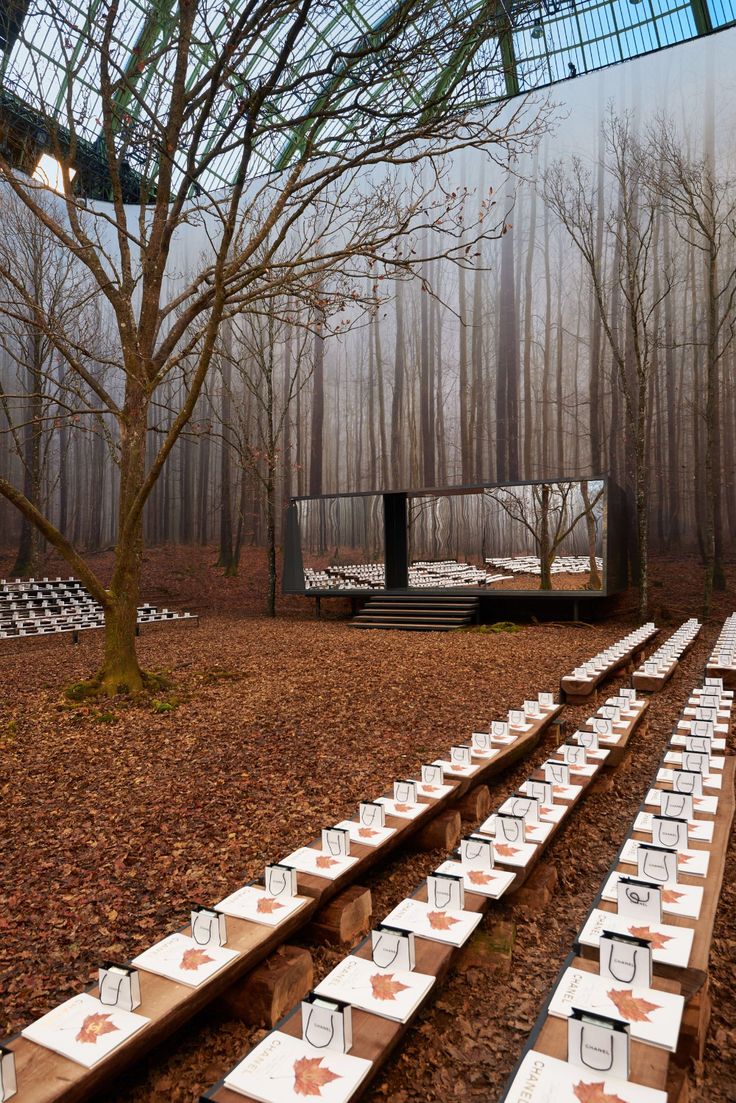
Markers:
{"x": 254, "y": 903}
{"x": 653, "y": 863}
{"x": 695, "y": 761}
{"x": 434, "y": 792}
{"x": 485, "y": 882}
{"x": 436, "y": 924}
{"x": 368, "y": 836}
{"x": 654, "y": 1016}
{"x": 535, "y": 832}
{"x": 702, "y": 805}
{"x": 671, "y": 945}
{"x": 712, "y": 744}
{"x": 701, "y": 830}
{"x": 282, "y": 1069}
{"x": 513, "y": 854}
{"x": 392, "y": 994}
{"x": 458, "y": 769}
{"x": 308, "y": 860}
{"x": 84, "y": 1030}
{"x": 543, "y": 1079}
{"x": 403, "y": 811}
{"x": 178, "y": 957}
{"x": 683, "y": 900}
{"x": 686, "y": 781}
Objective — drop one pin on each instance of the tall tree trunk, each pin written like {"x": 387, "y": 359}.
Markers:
{"x": 398, "y": 419}
{"x": 226, "y": 558}
{"x": 528, "y": 323}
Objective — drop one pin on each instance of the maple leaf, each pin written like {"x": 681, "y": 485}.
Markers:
{"x": 478, "y": 877}
{"x": 559, "y": 788}
{"x": 324, "y": 862}
{"x": 95, "y": 1025}
{"x": 594, "y": 1093}
{"x": 385, "y": 987}
{"x": 544, "y": 811}
{"x": 192, "y": 959}
{"x": 505, "y": 850}
{"x": 430, "y": 788}
{"x": 657, "y": 939}
{"x": 669, "y": 896}
{"x": 267, "y": 905}
{"x": 404, "y": 807}
{"x": 632, "y": 1007}
{"x": 683, "y": 859}
{"x": 366, "y": 832}
{"x": 310, "y": 1076}
{"x": 440, "y": 921}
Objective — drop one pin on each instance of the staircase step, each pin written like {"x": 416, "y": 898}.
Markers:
{"x": 417, "y": 612}
{"x": 422, "y": 626}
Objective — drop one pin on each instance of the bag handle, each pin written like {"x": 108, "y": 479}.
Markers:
{"x": 588, "y": 1065}
{"x": 319, "y": 1045}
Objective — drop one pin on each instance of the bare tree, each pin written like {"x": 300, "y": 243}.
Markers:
{"x": 549, "y": 514}
{"x": 203, "y": 103}
{"x": 702, "y": 206}
{"x": 630, "y": 236}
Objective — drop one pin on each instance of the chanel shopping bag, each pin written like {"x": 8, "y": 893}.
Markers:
{"x": 120, "y": 986}
{"x": 598, "y": 1043}
{"x": 392, "y": 948}
{"x": 327, "y": 1024}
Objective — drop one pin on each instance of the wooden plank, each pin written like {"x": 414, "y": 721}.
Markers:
{"x": 576, "y": 691}
{"x": 46, "y": 1077}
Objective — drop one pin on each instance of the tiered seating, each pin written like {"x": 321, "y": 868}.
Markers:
{"x": 662, "y": 663}
{"x": 529, "y": 564}
{"x": 584, "y": 679}
{"x": 422, "y": 575}
{"x": 722, "y": 662}
{"x": 42, "y": 607}
{"x": 44, "y": 1075}
{"x": 441, "y": 915}
{"x": 675, "y": 867}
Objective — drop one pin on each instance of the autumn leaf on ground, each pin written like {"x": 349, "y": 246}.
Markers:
{"x": 595, "y": 1093}
{"x": 478, "y": 877}
{"x": 669, "y": 896}
{"x": 192, "y": 959}
{"x": 505, "y": 850}
{"x": 657, "y": 939}
{"x": 95, "y": 1025}
{"x": 632, "y": 1007}
{"x": 440, "y": 921}
{"x": 267, "y": 905}
{"x": 323, "y": 862}
{"x": 310, "y": 1076}
{"x": 366, "y": 832}
{"x": 385, "y": 987}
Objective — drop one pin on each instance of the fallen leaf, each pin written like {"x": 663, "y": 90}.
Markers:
{"x": 631, "y": 1007}
{"x": 385, "y": 987}
{"x": 310, "y": 1076}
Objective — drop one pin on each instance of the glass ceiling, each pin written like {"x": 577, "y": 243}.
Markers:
{"x": 535, "y": 45}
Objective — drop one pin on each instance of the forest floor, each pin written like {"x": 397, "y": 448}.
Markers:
{"x": 123, "y": 815}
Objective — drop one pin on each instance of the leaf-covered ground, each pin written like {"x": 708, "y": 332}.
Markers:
{"x": 120, "y": 816}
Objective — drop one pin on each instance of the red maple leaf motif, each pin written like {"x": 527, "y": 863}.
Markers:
{"x": 403, "y": 807}
{"x": 192, "y": 959}
{"x": 633, "y": 1008}
{"x": 267, "y": 905}
{"x": 324, "y": 862}
{"x": 595, "y": 1093}
{"x": 430, "y": 788}
{"x": 93, "y": 1026}
{"x": 366, "y": 832}
{"x": 657, "y": 939}
{"x": 441, "y": 921}
{"x": 505, "y": 850}
{"x": 310, "y": 1076}
{"x": 385, "y": 987}
{"x": 669, "y": 896}
{"x": 478, "y": 877}
{"x": 683, "y": 859}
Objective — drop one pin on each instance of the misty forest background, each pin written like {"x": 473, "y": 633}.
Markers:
{"x": 502, "y": 371}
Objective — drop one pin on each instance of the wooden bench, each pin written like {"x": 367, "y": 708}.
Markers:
{"x": 575, "y": 690}
{"x": 46, "y": 1077}
{"x": 376, "y": 1038}
{"x": 682, "y": 640}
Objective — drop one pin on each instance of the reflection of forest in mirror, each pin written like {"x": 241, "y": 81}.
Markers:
{"x": 342, "y": 542}
{"x": 533, "y": 536}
